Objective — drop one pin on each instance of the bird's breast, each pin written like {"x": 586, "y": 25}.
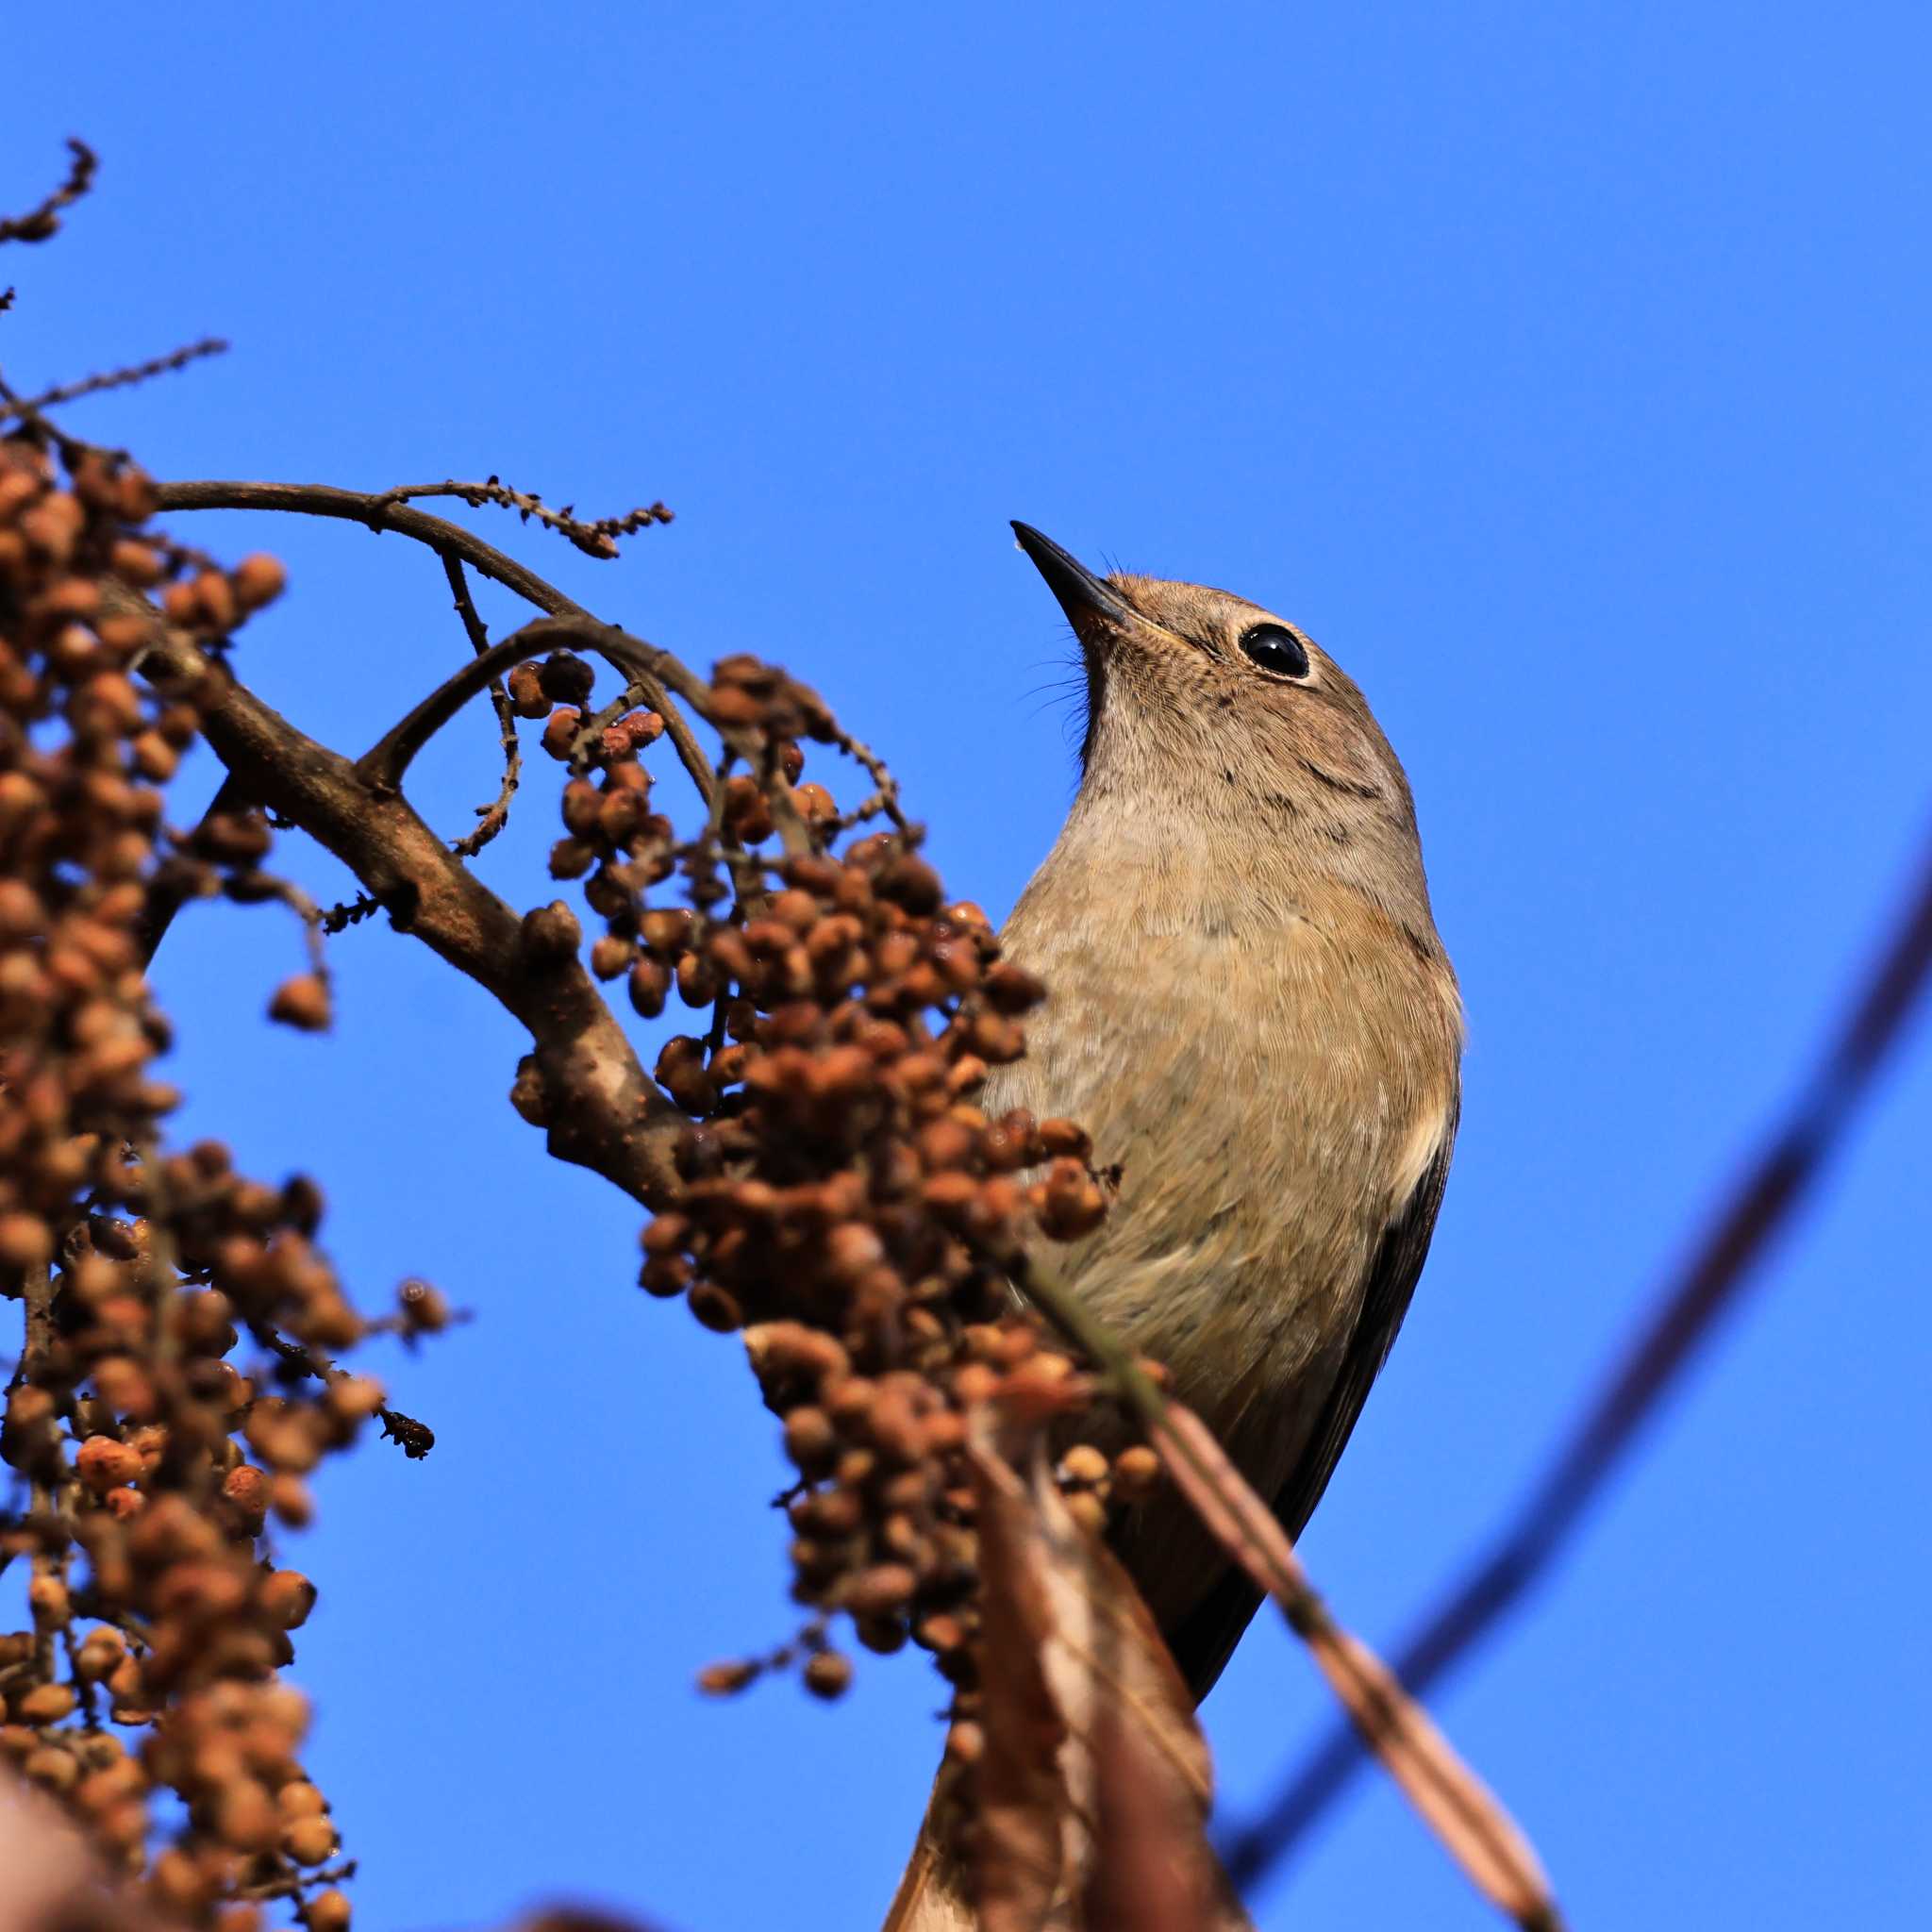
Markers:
{"x": 1272, "y": 1090}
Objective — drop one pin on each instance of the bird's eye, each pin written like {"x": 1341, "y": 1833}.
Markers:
{"x": 1276, "y": 649}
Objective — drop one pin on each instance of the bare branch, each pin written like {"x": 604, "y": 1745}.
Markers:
{"x": 604, "y": 1114}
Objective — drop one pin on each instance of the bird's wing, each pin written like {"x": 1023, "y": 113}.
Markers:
{"x": 1205, "y": 1642}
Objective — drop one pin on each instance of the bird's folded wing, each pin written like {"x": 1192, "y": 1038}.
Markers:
{"x": 1206, "y": 1640}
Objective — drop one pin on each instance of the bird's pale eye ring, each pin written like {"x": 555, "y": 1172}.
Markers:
{"x": 1276, "y": 648}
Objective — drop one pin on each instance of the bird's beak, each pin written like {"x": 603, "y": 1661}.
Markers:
{"x": 1090, "y": 603}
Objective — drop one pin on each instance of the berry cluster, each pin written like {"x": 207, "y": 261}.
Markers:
{"x": 148, "y": 1464}
{"x": 844, "y": 1198}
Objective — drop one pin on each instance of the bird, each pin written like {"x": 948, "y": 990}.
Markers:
{"x": 1251, "y": 1011}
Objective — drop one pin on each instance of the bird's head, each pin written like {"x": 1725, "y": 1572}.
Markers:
{"x": 1205, "y": 706}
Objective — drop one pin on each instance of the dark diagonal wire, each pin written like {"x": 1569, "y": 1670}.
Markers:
{"x": 1718, "y": 1268}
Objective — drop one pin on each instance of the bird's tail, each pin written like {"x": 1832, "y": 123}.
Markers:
{"x": 934, "y": 1895}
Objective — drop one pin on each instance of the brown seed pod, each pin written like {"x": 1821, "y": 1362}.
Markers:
{"x": 1065, "y": 1140}
{"x": 26, "y": 1241}
{"x": 102, "y": 1463}
{"x": 565, "y": 678}
{"x": 1137, "y": 1471}
{"x": 45, "y": 1703}
{"x": 302, "y": 1003}
{"x": 310, "y": 1840}
{"x": 883, "y": 1590}
{"x": 526, "y": 692}
{"x": 1069, "y": 1202}
{"x": 716, "y": 1308}
{"x": 828, "y": 1675}
{"x": 810, "y": 1440}
{"x": 648, "y": 985}
{"x": 726, "y": 1679}
{"x": 328, "y": 1911}
{"x": 257, "y": 580}
{"x": 287, "y": 1597}
{"x": 560, "y": 734}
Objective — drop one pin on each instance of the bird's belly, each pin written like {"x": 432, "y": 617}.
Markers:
{"x": 1255, "y": 1123}
{"x": 1236, "y": 1249}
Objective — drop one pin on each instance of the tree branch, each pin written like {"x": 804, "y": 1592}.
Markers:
{"x": 605, "y": 1114}
{"x": 377, "y": 513}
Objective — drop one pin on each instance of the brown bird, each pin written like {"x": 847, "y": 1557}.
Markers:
{"x": 1250, "y": 1009}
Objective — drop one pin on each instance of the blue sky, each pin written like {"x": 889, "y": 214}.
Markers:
{"x": 1561, "y": 368}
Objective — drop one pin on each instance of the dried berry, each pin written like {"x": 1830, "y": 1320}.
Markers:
{"x": 302, "y": 1002}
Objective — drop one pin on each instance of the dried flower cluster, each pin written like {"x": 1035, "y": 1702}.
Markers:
{"x": 844, "y": 1198}
{"x": 148, "y": 1461}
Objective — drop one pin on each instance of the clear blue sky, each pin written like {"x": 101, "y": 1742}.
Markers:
{"x": 1563, "y": 368}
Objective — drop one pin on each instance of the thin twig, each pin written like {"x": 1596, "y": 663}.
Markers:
{"x": 446, "y": 539}
{"x": 596, "y": 539}
{"x": 255, "y": 886}
{"x": 416, "y": 1439}
{"x": 169, "y": 891}
{"x": 886, "y": 794}
{"x": 293, "y": 1884}
{"x": 385, "y": 763}
{"x": 1711, "y": 1281}
{"x": 115, "y": 379}
{"x": 37, "y": 1289}
{"x": 40, "y": 222}
{"x": 491, "y": 818}
{"x": 339, "y": 918}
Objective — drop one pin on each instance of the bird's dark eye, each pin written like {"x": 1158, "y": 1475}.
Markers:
{"x": 1276, "y": 649}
